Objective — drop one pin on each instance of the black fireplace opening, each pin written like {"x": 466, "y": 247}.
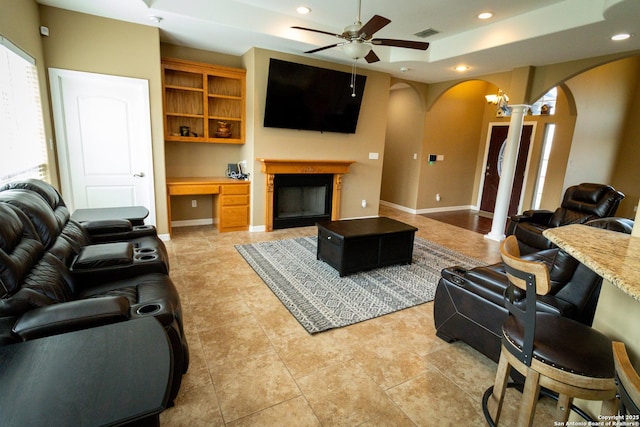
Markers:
{"x": 301, "y": 200}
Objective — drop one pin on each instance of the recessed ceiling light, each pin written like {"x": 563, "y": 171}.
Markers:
{"x": 303, "y": 10}
{"x": 156, "y": 19}
{"x": 404, "y": 69}
{"x": 461, "y": 68}
{"x": 485, "y": 15}
{"x": 620, "y": 37}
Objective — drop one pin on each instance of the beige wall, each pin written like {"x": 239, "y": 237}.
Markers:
{"x": 405, "y": 127}
{"x": 596, "y": 127}
{"x": 22, "y": 28}
{"x": 602, "y": 97}
{"x": 452, "y": 128}
{"x": 89, "y": 43}
{"x": 363, "y": 181}
{"x": 625, "y": 175}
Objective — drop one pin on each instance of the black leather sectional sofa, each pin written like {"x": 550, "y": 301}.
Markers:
{"x": 58, "y": 275}
{"x": 469, "y": 304}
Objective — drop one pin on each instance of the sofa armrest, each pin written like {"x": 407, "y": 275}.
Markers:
{"x": 539, "y": 216}
{"x": 107, "y": 226}
{"x": 71, "y": 316}
{"x": 110, "y": 230}
{"x": 93, "y": 257}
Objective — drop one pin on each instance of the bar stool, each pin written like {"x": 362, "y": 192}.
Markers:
{"x": 628, "y": 382}
{"x": 556, "y": 353}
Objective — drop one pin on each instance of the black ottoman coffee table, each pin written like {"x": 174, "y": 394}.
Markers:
{"x": 355, "y": 245}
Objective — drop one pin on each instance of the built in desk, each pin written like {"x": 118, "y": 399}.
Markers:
{"x": 233, "y": 198}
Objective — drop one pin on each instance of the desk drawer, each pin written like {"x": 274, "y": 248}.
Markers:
{"x": 235, "y": 189}
{"x": 234, "y": 217}
{"x": 235, "y": 200}
{"x": 192, "y": 189}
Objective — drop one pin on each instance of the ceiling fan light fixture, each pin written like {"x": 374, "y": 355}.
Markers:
{"x": 356, "y": 49}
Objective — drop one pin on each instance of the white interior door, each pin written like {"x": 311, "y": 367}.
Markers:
{"x": 103, "y": 133}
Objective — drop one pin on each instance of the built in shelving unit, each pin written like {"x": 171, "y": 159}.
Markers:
{"x": 197, "y": 97}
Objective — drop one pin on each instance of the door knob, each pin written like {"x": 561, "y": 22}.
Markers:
{"x": 139, "y": 175}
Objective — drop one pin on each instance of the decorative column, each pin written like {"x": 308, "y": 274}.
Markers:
{"x": 509, "y": 161}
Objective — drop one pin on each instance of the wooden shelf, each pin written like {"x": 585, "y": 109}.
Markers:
{"x": 199, "y": 95}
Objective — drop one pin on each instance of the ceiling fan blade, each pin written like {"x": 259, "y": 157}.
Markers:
{"x": 317, "y": 31}
{"x": 401, "y": 43}
{"x": 371, "y": 57}
{"x": 323, "y": 48}
{"x": 372, "y": 26}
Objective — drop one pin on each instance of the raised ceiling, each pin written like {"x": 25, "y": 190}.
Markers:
{"x": 520, "y": 33}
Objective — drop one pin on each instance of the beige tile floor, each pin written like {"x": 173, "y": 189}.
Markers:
{"x": 252, "y": 364}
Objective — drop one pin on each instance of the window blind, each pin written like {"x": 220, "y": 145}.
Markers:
{"x": 22, "y": 138}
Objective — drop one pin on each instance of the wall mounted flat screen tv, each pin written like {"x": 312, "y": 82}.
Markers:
{"x": 311, "y": 98}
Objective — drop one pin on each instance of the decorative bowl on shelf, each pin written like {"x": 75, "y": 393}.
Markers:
{"x": 224, "y": 130}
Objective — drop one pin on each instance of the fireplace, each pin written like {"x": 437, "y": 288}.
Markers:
{"x": 301, "y": 199}
{"x": 312, "y": 188}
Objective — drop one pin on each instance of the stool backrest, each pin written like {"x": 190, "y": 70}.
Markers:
{"x": 511, "y": 257}
{"x": 533, "y": 278}
{"x": 627, "y": 379}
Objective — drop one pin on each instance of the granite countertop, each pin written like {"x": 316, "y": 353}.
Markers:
{"x": 614, "y": 256}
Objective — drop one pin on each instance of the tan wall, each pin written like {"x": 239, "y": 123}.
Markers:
{"x": 625, "y": 175}
{"x": 405, "y": 126}
{"x": 89, "y": 43}
{"x": 363, "y": 181}
{"x": 451, "y": 128}
{"x": 22, "y": 28}
{"x": 589, "y": 155}
{"x": 602, "y": 97}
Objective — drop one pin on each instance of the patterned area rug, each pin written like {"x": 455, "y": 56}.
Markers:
{"x": 320, "y": 299}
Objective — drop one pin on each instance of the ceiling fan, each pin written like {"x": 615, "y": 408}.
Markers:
{"x": 358, "y": 38}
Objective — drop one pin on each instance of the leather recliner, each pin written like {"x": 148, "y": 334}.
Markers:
{"x": 469, "y": 304}
{"x": 43, "y": 292}
{"x": 581, "y": 203}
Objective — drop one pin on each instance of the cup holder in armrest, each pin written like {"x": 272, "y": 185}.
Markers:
{"x": 148, "y": 309}
{"x": 145, "y": 254}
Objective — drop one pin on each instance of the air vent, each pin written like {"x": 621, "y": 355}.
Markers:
{"x": 426, "y": 33}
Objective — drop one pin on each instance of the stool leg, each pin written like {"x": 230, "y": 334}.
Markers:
{"x": 500, "y": 386}
{"x": 609, "y": 407}
{"x": 529, "y": 399}
{"x": 563, "y": 408}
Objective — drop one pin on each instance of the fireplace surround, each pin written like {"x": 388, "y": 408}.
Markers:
{"x": 293, "y": 170}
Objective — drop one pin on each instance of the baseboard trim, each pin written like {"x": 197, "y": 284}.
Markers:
{"x": 427, "y": 210}
{"x": 193, "y": 222}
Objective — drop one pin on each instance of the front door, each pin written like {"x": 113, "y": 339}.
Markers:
{"x": 103, "y": 133}
{"x": 493, "y": 167}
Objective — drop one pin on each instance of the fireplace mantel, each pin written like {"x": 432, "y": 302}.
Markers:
{"x": 276, "y": 166}
{"x": 272, "y": 167}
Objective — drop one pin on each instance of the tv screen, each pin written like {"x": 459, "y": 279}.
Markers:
{"x": 310, "y": 98}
